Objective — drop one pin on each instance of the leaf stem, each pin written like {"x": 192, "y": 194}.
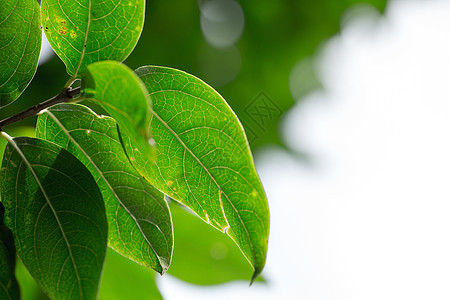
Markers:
{"x": 70, "y": 82}
{"x": 66, "y": 95}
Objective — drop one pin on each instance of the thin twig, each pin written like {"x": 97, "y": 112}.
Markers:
{"x": 65, "y": 96}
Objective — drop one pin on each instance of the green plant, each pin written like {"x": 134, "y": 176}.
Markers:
{"x": 89, "y": 181}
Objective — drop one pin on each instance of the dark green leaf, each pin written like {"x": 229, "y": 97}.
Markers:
{"x": 56, "y": 213}
{"x": 84, "y": 31}
{"x": 202, "y": 254}
{"x": 124, "y": 279}
{"x": 9, "y": 289}
{"x": 204, "y": 160}
{"x": 20, "y": 44}
{"x": 140, "y": 226}
{"x": 123, "y": 95}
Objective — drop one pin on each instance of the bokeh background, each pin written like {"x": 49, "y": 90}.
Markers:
{"x": 347, "y": 108}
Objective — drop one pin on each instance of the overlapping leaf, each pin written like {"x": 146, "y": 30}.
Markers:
{"x": 140, "y": 225}
{"x": 204, "y": 159}
{"x": 203, "y": 255}
{"x": 9, "y": 289}
{"x": 20, "y": 44}
{"x": 16, "y": 131}
{"x": 29, "y": 289}
{"x": 56, "y": 213}
{"x": 124, "y": 279}
{"x": 86, "y": 31}
{"x": 123, "y": 95}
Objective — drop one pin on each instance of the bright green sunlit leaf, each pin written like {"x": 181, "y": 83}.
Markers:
{"x": 140, "y": 225}
{"x": 204, "y": 160}
{"x": 206, "y": 257}
{"x": 56, "y": 213}
{"x": 20, "y": 45}
{"x": 16, "y": 131}
{"x": 29, "y": 289}
{"x": 9, "y": 289}
{"x": 124, "y": 279}
{"x": 123, "y": 95}
{"x": 86, "y": 31}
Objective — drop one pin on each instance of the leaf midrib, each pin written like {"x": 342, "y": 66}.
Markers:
{"x": 83, "y": 51}
{"x": 213, "y": 179}
{"x": 30, "y": 167}
{"x": 64, "y": 129}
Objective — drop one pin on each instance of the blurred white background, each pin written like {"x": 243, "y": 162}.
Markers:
{"x": 369, "y": 216}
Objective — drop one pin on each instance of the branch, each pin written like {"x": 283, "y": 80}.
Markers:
{"x": 65, "y": 96}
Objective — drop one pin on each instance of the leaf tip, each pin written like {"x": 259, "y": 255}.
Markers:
{"x": 255, "y": 275}
{"x": 163, "y": 271}
{"x": 164, "y": 263}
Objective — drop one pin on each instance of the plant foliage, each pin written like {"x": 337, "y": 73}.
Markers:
{"x": 89, "y": 181}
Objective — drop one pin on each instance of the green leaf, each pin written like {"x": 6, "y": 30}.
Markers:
{"x": 20, "y": 44}
{"x": 140, "y": 225}
{"x": 16, "y": 131}
{"x": 9, "y": 289}
{"x": 206, "y": 257}
{"x": 28, "y": 287}
{"x": 56, "y": 213}
{"x": 123, "y": 95}
{"x": 124, "y": 279}
{"x": 204, "y": 160}
{"x": 84, "y": 31}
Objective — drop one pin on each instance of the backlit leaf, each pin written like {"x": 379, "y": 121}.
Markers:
{"x": 20, "y": 45}
{"x": 203, "y": 255}
{"x": 204, "y": 160}
{"x": 140, "y": 226}
{"x": 29, "y": 289}
{"x": 16, "y": 131}
{"x": 124, "y": 279}
{"x": 86, "y": 31}
{"x": 123, "y": 95}
{"x": 56, "y": 213}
